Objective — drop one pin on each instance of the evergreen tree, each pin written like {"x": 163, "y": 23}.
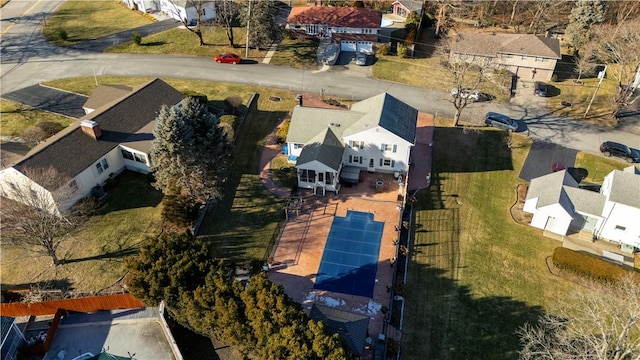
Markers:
{"x": 263, "y": 29}
{"x": 583, "y": 15}
{"x": 190, "y": 150}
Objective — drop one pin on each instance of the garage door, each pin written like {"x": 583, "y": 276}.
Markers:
{"x": 365, "y": 46}
{"x": 348, "y": 46}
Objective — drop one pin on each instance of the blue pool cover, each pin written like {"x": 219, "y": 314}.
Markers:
{"x": 350, "y": 259}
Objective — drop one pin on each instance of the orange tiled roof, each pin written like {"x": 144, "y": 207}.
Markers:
{"x": 336, "y": 16}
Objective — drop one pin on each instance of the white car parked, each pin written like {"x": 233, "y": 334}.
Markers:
{"x": 469, "y": 94}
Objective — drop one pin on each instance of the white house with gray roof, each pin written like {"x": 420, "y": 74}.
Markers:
{"x": 527, "y": 56}
{"x": 559, "y": 206}
{"x": 117, "y": 135}
{"x": 374, "y": 135}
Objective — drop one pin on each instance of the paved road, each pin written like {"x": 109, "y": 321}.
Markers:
{"x": 27, "y": 60}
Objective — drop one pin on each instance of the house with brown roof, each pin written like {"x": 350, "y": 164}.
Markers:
{"x": 528, "y": 56}
{"x": 355, "y": 29}
{"x": 115, "y": 136}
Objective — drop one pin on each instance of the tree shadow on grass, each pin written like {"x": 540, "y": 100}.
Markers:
{"x": 153, "y": 43}
{"x": 107, "y": 255}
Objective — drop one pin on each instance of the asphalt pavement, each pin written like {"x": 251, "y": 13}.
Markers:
{"x": 541, "y": 158}
{"x": 48, "y": 99}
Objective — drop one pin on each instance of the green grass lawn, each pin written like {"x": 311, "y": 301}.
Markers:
{"x": 426, "y": 73}
{"x": 87, "y": 20}
{"x": 15, "y": 118}
{"x": 183, "y": 42}
{"x": 579, "y": 96}
{"x": 245, "y": 220}
{"x": 475, "y": 275}
{"x": 95, "y": 251}
{"x": 597, "y": 166}
{"x": 299, "y": 53}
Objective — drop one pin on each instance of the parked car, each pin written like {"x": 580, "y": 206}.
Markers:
{"x": 469, "y": 94}
{"x": 610, "y": 148}
{"x": 227, "y": 58}
{"x": 558, "y": 166}
{"x": 500, "y": 121}
{"x": 362, "y": 59}
{"x": 540, "y": 89}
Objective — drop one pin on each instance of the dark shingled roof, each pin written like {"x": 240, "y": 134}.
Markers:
{"x": 105, "y": 94}
{"x": 349, "y": 17}
{"x": 351, "y": 327}
{"x": 388, "y": 112}
{"x": 325, "y": 148}
{"x": 72, "y": 151}
{"x": 515, "y": 44}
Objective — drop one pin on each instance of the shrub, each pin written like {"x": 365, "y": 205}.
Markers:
{"x": 232, "y": 104}
{"x": 554, "y": 78}
{"x": 62, "y": 33}
{"x": 137, "y": 38}
{"x": 403, "y": 52}
{"x": 198, "y": 96}
{"x": 587, "y": 265}
{"x": 50, "y": 127}
{"x": 383, "y": 49}
{"x": 33, "y": 135}
{"x": 282, "y": 131}
{"x": 179, "y": 210}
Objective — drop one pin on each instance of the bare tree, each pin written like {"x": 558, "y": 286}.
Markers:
{"x": 618, "y": 46}
{"x": 226, "y": 15}
{"x": 199, "y": 7}
{"x": 597, "y": 322}
{"x": 585, "y": 60}
{"x": 31, "y": 217}
{"x": 467, "y": 72}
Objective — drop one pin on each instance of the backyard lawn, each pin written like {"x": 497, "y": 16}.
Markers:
{"x": 95, "y": 251}
{"x": 87, "y": 20}
{"x": 475, "y": 275}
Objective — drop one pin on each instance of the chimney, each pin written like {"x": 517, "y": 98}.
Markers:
{"x": 91, "y": 128}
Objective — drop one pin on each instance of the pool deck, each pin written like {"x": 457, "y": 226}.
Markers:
{"x": 298, "y": 254}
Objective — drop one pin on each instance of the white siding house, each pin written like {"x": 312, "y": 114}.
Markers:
{"x": 375, "y": 135}
{"x": 108, "y": 140}
{"x": 559, "y": 206}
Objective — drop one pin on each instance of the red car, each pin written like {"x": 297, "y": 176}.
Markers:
{"x": 227, "y": 58}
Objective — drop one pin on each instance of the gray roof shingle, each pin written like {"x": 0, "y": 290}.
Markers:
{"x": 585, "y": 201}
{"x": 549, "y": 189}
{"x": 351, "y": 327}
{"x": 71, "y": 151}
{"x": 105, "y": 94}
{"x": 625, "y": 188}
{"x": 515, "y": 44}
{"x": 325, "y": 148}
{"x": 388, "y": 112}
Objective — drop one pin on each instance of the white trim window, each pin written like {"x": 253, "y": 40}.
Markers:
{"x": 101, "y": 166}
{"x": 356, "y": 144}
{"x": 387, "y": 162}
{"x": 389, "y": 147}
{"x": 355, "y": 159}
{"x": 134, "y": 156}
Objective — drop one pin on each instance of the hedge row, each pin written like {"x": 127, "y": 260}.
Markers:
{"x": 588, "y": 265}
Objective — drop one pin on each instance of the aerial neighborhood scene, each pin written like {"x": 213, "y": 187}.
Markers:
{"x": 314, "y": 179}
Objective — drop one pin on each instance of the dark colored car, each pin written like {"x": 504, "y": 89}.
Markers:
{"x": 540, "y": 89}
{"x": 500, "y": 121}
{"x": 227, "y": 58}
{"x": 610, "y": 148}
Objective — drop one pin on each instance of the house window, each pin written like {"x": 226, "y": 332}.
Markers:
{"x": 204, "y": 12}
{"x": 357, "y": 144}
{"x": 389, "y": 147}
{"x": 102, "y": 166}
{"x": 140, "y": 158}
{"x": 73, "y": 186}
{"x": 298, "y": 146}
{"x": 126, "y": 154}
{"x": 387, "y": 162}
{"x": 621, "y": 228}
{"x": 307, "y": 175}
{"x": 355, "y": 159}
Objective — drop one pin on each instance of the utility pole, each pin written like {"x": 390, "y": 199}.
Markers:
{"x": 246, "y": 51}
{"x": 600, "y": 76}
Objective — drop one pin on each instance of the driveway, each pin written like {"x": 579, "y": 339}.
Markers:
{"x": 542, "y": 155}
{"x": 48, "y": 99}
{"x": 345, "y": 65}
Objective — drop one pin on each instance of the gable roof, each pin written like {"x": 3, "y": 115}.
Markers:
{"x": 351, "y": 327}
{"x": 549, "y": 189}
{"x": 411, "y": 5}
{"x": 325, "y": 148}
{"x": 625, "y": 188}
{"x": 388, "y": 112}
{"x": 307, "y": 122}
{"x": 585, "y": 201}
{"x": 516, "y": 44}
{"x": 349, "y": 17}
{"x": 71, "y": 151}
{"x": 105, "y": 94}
